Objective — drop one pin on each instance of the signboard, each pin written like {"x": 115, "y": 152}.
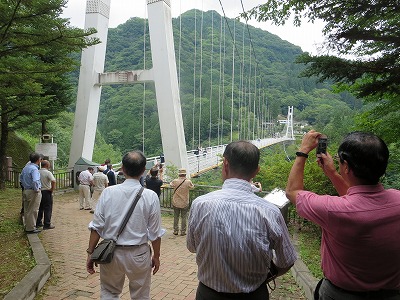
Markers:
{"x": 47, "y": 149}
{"x": 277, "y": 197}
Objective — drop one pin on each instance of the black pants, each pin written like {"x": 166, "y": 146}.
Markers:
{"x": 206, "y": 293}
{"x": 46, "y": 209}
{"x": 328, "y": 291}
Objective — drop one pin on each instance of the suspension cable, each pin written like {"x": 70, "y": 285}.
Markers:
{"x": 201, "y": 73}
{"x": 211, "y": 76}
{"x": 194, "y": 75}
{"x": 223, "y": 85}
{"x": 220, "y": 83}
{"x": 180, "y": 44}
{"x": 144, "y": 84}
{"x": 233, "y": 74}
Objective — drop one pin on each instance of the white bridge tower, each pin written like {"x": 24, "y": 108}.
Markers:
{"x": 289, "y": 124}
{"x": 163, "y": 73}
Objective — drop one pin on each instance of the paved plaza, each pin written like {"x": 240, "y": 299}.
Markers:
{"x": 66, "y": 245}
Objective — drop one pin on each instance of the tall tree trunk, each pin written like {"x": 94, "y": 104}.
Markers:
{"x": 44, "y": 127}
{"x": 3, "y": 148}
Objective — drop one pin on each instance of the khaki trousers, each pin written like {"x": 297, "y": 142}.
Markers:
{"x": 95, "y": 197}
{"x": 135, "y": 263}
{"x": 182, "y": 212}
{"x": 85, "y": 200}
{"x": 31, "y": 200}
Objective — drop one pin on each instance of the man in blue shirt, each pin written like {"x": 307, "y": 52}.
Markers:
{"x": 31, "y": 196}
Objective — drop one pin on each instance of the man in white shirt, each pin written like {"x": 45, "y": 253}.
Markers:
{"x": 86, "y": 180}
{"x": 46, "y": 204}
{"x": 132, "y": 256}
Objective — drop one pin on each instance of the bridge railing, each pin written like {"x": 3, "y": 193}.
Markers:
{"x": 65, "y": 181}
{"x": 64, "y": 178}
{"x": 167, "y": 194}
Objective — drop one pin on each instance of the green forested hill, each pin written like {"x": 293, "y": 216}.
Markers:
{"x": 129, "y": 112}
{"x": 122, "y": 107}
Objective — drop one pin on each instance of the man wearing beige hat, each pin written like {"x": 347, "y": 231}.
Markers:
{"x": 180, "y": 200}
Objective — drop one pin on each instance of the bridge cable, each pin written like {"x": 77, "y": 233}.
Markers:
{"x": 248, "y": 101}
{"x": 180, "y": 45}
{"x": 220, "y": 83}
{"x": 233, "y": 74}
{"x": 144, "y": 83}
{"x": 201, "y": 74}
{"x": 251, "y": 40}
{"x": 211, "y": 76}
{"x": 194, "y": 76}
{"x": 223, "y": 86}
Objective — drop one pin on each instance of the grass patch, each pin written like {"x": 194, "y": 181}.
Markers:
{"x": 309, "y": 242}
{"x": 17, "y": 255}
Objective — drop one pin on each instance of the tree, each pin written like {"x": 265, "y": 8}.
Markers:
{"x": 35, "y": 48}
{"x": 368, "y": 31}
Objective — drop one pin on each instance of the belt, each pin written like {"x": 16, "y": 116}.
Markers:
{"x": 369, "y": 294}
{"x": 126, "y": 246}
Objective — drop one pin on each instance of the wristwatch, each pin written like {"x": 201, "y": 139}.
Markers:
{"x": 302, "y": 154}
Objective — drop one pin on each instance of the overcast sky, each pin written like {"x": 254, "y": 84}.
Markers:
{"x": 308, "y": 36}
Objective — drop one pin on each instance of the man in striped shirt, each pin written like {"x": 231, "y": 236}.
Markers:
{"x": 237, "y": 236}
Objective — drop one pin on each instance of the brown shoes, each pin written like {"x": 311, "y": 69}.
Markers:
{"x": 49, "y": 227}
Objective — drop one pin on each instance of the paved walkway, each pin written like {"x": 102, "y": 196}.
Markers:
{"x": 66, "y": 245}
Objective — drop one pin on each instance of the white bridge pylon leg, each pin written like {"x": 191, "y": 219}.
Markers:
{"x": 163, "y": 73}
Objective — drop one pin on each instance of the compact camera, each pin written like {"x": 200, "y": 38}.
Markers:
{"x": 322, "y": 144}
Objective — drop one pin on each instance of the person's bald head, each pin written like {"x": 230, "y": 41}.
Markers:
{"x": 45, "y": 164}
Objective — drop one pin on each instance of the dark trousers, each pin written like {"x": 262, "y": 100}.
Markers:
{"x": 206, "y": 293}
{"x": 330, "y": 291}
{"x": 45, "y": 209}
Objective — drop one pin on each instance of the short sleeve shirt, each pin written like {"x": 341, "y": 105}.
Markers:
{"x": 360, "y": 248}
{"x": 46, "y": 178}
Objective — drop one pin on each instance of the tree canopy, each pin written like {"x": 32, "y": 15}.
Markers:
{"x": 362, "y": 42}
{"x": 35, "y": 48}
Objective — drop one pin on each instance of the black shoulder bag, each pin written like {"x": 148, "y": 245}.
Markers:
{"x": 104, "y": 251}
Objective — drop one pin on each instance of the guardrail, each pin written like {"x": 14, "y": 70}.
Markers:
{"x": 64, "y": 179}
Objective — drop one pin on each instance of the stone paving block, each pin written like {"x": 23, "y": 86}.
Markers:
{"x": 66, "y": 245}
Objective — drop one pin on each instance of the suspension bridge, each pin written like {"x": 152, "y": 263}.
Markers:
{"x": 247, "y": 94}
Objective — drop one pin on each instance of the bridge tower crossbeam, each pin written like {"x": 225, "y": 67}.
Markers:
{"x": 163, "y": 73}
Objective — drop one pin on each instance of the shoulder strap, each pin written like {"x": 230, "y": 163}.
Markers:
{"x": 129, "y": 213}
{"x": 179, "y": 185}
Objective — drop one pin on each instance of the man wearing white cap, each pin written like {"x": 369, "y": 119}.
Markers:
{"x": 180, "y": 200}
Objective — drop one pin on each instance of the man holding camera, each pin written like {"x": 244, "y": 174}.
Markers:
{"x": 360, "y": 248}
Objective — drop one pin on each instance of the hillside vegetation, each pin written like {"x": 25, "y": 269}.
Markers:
{"x": 128, "y": 117}
{"x": 122, "y": 107}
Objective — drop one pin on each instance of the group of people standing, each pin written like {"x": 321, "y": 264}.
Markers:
{"x": 242, "y": 242}
{"x": 38, "y": 185}
{"x": 91, "y": 184}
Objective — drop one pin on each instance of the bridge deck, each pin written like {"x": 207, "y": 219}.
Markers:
{"x": 203, "y": 160}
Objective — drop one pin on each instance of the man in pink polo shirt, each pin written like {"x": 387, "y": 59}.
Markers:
{"x": 360, "y": 247}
